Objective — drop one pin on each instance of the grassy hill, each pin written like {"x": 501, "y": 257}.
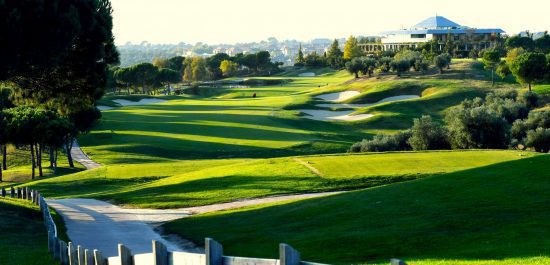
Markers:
{"x": 495, "y": 214}
{"x": 24, "y": 237}
{"x": 232, "y": 126}
{"x": 202, "y": 182}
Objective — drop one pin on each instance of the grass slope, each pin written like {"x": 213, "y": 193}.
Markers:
{"x": 234, "y": 125}
{"x": 202, "y": 182}
{"x": 24, "y": 238}
{"x": 496, "y": 214}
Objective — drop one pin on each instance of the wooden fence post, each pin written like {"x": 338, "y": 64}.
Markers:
{"x": 160, "y": 253}
{"x": 288, "y": 255}
{"x": 12, "y": 192}
{"x": 98, "y": 258}
{"x": 63, "y": 253}
{"x": 125, "y": 255}
{"x": 3, "y": 192}
{"x": 73, "y": 258}
{"x": 80, "y": 255}
{"x": 88, "y": 257}
{"x": 214, "y": 252}
{"x": 19, "y": 193}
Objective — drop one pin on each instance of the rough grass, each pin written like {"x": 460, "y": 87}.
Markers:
{"x": 494, "y": 214}
{"x": 24, "y": 237}
{"x": 202, "y": 182}
{"x": 19, "y": 167}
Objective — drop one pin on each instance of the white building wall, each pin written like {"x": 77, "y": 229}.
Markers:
{"x": 405, "y": 38}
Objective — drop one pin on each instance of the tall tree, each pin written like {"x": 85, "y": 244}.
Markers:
{"x": 542, "y": 44}
{"x": 228, "y": 68}
{"x": 335, "y": 55}
{"x": 529, "y": 67}
{"x": 525, "y": 42}
{"x": 300, "y": 60}
{"x": 144, "y": 74}
{"x": 213, "y": 64}
{"x": 80, "y": 77}
{"x": 352, "y": 49}
{"x": 39, "y": 34}
{"x": 198, "y": 69}
{"x": 491, "y": 59}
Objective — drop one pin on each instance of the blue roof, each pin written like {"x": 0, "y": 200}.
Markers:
{"x": 443, "y": 31}
{"x": 436, "y": 22}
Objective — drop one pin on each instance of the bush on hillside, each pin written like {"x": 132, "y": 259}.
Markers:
{"x": 539, "y": 139}
{"x": 428, "y": 135}
{"x": 530, "y": 99}
{"x": 383, "y": 143}
{"x": 476, "y": 127}
{"x": 536, "y": 119}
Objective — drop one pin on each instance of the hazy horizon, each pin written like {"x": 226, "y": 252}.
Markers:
{"x": 239, "y": 21}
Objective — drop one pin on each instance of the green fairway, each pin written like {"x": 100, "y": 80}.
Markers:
{"x": 239, "y": 126}
{"x": 202, "y": 182}
{"x": 24, "y": 237}
{"x": 495, "y": 214}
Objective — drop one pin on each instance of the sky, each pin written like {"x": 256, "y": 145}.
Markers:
{"x": 233, "y": 21}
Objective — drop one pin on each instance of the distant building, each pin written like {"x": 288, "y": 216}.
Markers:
{"x": 437, "y": 29}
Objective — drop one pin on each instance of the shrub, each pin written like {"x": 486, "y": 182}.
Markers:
{"x": 382, "y": 143}
{"x": 539, "y": 139}
{"x": 476, "y": 127}
{"x": 536, "y": 119}
{"x": 427, "y": 135}
{"x": 442, "y": 61}
{"x": 530, "y": 99}
{"x": 400, "y": 66}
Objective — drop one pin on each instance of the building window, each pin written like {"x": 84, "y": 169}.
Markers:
{"x": 418, "y": 36}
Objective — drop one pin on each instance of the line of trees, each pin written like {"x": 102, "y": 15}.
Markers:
{"x": 526, "y": 59}
{"x": 147, "y": 77}
{"x": 55, "y": 67}
{"x": 503, "y": 119}
{"x": 399, "y": 63}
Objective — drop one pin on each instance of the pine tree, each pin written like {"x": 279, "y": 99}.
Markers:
{"x": 352, "y": 50}
{"x": 300, "y": 58}
{"x": 335, "y": 55}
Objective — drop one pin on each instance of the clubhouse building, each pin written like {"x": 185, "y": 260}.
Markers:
{"x": 438, "y": 29}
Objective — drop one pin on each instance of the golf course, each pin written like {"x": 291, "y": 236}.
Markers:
{"x": 427, "y": 207}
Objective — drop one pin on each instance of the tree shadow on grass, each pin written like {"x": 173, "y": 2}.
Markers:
{"x": 494, "y": 212}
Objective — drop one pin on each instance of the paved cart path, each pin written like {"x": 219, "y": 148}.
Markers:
{"x": 81, "y": 157}
{"x": 100, "y": 225}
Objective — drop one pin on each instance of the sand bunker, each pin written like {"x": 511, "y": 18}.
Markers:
{"x": 339, "y": 96}
{"x": 345, "y": 115}
{"x": 353, "y": 106}
{"x": 104, "y": 108}
{"x": 145, "y": 101}
{"x": 309, "y": 74}
{"x": 327, "y": 115}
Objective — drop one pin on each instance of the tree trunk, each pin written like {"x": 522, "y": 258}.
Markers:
{"x": 51, "y": 156}
{"x": 68, "y": 147}
{"x": 39, "y": 159}
{"x": 0, "y": 174}
{"x": 128, "y": 88}
{"x": 5, "y": 157}
{"x": 492, "y": 77}
{"x": 529, "y": 86}
{"x": 55, "y": 162}
{"x": 33, "y": 162}
{"x": 356, "y": 75}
